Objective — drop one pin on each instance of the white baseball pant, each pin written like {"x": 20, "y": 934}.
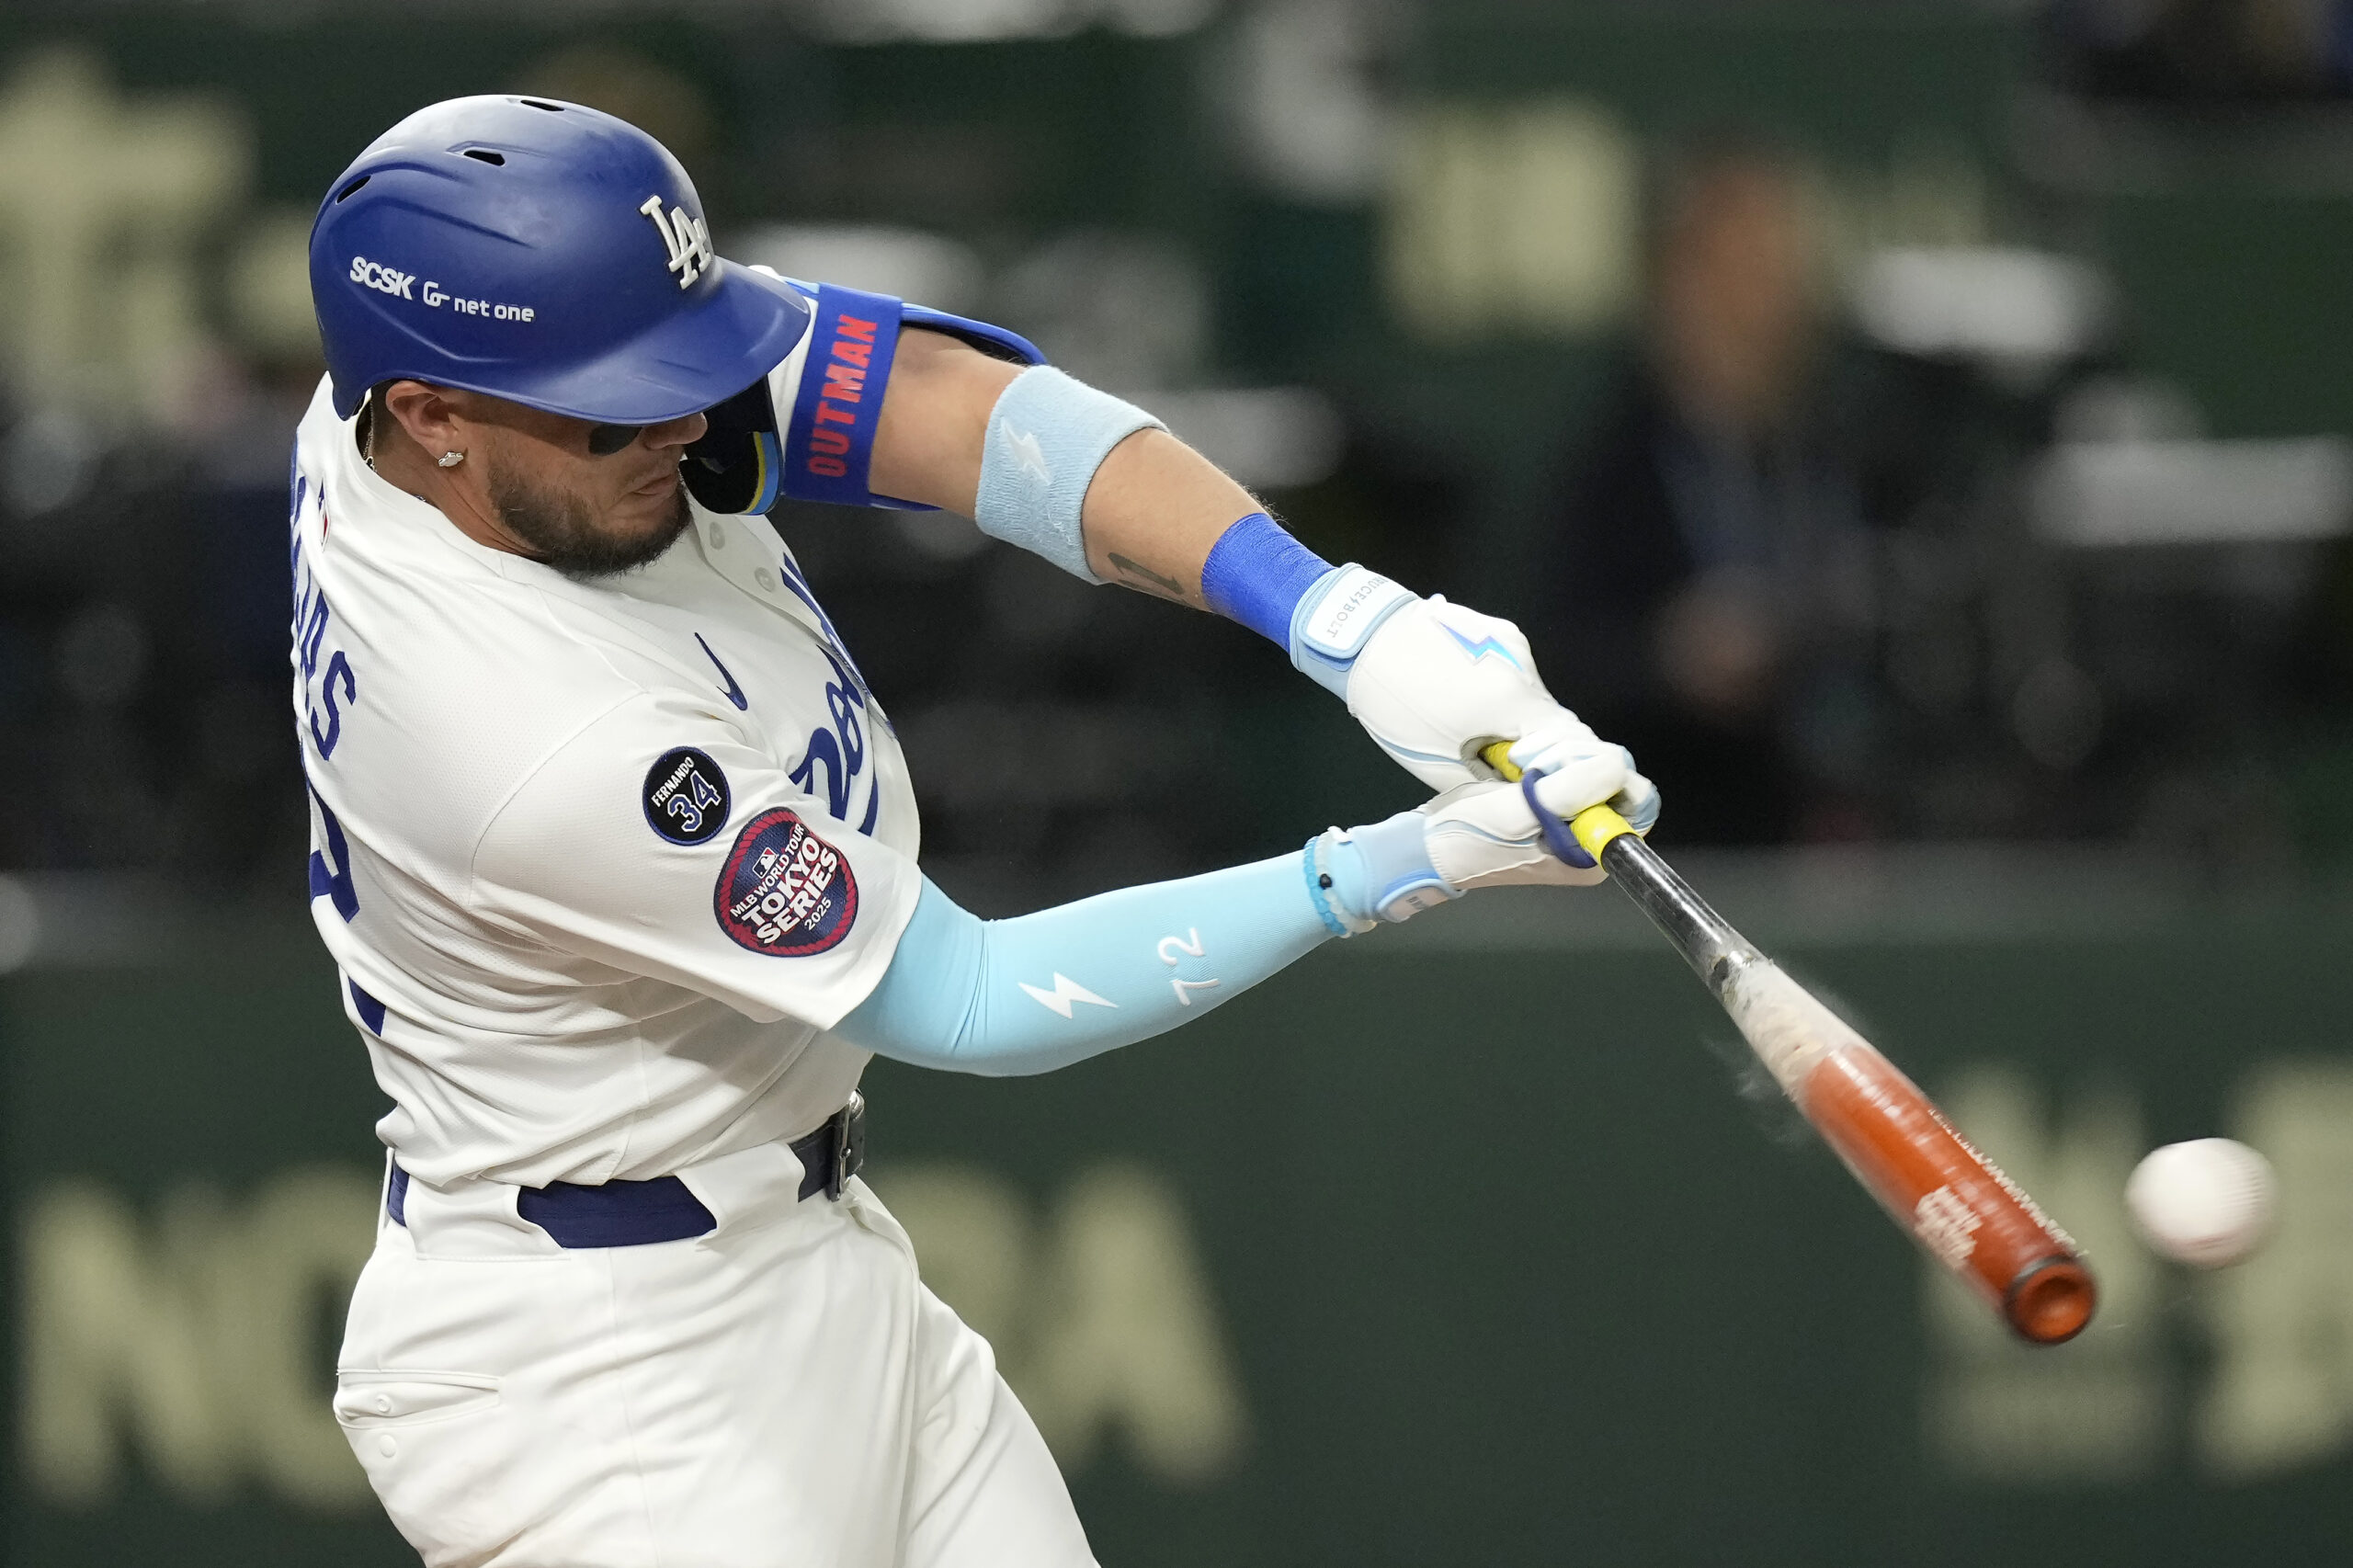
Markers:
{"x": 782, "y": 1392}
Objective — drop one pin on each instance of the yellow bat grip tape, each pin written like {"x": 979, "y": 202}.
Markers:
{"x": 1595, "y": 827}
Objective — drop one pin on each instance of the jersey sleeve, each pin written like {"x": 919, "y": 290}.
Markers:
{"x": 656, "y": 842}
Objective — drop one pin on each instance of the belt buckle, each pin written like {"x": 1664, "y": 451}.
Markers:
{"x": 845, "y": 1143}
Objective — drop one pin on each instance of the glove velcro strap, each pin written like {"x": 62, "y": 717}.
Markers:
{"x": 1383, "y": 872}
{"x": 1335, "y": 617}
{"x": 1317, "y": 863}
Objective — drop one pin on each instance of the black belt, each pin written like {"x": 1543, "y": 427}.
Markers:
{"x": 638, "y": 1213}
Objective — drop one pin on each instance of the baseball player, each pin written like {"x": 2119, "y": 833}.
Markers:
{"x": 617, "y": 854}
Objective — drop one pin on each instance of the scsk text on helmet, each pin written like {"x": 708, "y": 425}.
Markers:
{"x": 392, "y": 281}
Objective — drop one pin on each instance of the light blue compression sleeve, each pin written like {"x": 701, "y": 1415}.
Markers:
{"x": 1003, "y": 997}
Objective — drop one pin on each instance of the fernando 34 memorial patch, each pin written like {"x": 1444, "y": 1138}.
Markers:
{"x": 785, "y": 892}
{"x": 686, "y": 796}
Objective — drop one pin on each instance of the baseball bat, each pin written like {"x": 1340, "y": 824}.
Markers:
{"x": 1964, "y": 1213}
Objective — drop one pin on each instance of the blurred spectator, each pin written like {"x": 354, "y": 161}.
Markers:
{"x": 2206, "y": 50}
{"x": 1704, "y": 575}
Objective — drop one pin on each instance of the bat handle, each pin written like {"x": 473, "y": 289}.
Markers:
{"x": 1705, "y": 939}
{"x": 1588, "y": 833}
{"x": 1597, "y": 827}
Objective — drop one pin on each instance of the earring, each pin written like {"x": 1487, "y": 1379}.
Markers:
{"x": 451, "y": 459}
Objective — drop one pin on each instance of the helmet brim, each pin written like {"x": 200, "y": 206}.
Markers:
{"x": 684, "y": 364}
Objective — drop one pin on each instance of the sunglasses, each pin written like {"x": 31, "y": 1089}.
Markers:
{"x": 604, "y": 440}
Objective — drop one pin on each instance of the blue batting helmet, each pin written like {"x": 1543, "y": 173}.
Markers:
{"x": 541, "y": 251}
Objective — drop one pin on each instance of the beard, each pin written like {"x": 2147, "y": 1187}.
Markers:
{"x": 563, "y": 534}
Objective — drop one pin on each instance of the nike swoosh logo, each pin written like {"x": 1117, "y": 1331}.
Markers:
{"x": 735, "y": 692}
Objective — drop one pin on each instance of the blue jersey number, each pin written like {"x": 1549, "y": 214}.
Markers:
{"x": 331, "y": 878}
{"x": 840, "y": 750}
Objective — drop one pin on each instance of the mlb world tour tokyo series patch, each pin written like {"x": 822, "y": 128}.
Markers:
{"x": 785, "y": 892}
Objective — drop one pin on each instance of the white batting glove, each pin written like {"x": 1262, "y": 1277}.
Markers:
{"x": 1434, "y": 682}
{"x": 1572, "y": 768}
{"x": 1474, "y": 835}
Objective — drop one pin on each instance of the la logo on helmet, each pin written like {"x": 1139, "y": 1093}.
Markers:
{"x": 686, "y": 238}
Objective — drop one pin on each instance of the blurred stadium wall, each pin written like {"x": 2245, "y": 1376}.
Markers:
{"x": 1497, "y": 1279}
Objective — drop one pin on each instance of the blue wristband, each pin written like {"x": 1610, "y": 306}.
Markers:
{"x": 1257, "y": 573}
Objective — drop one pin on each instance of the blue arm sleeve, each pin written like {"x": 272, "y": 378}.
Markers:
{"x": 1003, "y": 997}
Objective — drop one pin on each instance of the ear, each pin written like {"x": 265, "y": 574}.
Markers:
{"x": 427, "y": 413}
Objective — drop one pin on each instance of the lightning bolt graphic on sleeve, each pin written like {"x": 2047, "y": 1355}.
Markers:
{"x": 1029, "y": 456}
{"x": 1065, "y": 994}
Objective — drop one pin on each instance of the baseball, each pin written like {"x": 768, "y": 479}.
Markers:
{"x": 2207, "y": 1203}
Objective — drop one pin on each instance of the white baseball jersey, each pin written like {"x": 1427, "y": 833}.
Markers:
{"x": 600, "y": 862}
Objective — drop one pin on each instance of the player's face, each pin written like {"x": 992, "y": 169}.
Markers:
{"x": 589, "y": 500}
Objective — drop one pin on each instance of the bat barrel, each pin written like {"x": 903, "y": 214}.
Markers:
{"x": 1955, "y": 1203}
{"x": 2051, "y": 1303}
{"x": 1949, "y": 1197}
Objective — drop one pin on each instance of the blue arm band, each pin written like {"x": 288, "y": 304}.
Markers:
{"x": 827, "y": 440}
{"x": 1257, "y": 573}
{"x": 1047, "y": 436}
{"x": 1003, "y": 997}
